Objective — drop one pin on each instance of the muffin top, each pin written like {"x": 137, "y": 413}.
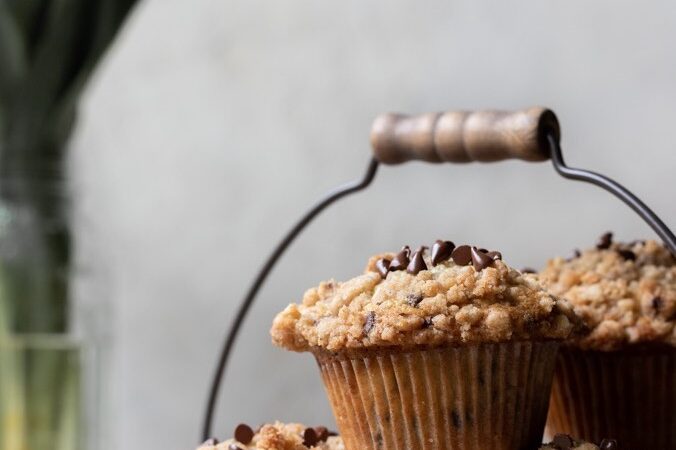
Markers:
{"x": 566, "y": 442}
{"x": 450, "y": 294}
{"x": 278, "y": 436}
{"x": 624, "y": 292}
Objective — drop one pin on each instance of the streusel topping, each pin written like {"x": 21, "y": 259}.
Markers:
{"x": 278, "y": 436}
{"x": 625, "y": 293}
{"x": 469, "y": 297}
{"x": 566, "y": 442}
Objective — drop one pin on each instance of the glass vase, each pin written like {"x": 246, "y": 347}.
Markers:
{"x": 48, "y": 362}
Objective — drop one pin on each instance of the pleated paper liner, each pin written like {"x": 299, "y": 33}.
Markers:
{"x": 487, "y": 396}
{"x": 629, "y": 395}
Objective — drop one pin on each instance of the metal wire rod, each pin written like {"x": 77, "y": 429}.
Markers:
{"x": 614, "y": 188}
{"x": 244, "y": 307}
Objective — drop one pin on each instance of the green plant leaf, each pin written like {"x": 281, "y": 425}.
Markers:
{"x": 12, "y": 59}
{"x": 29, "y": 17}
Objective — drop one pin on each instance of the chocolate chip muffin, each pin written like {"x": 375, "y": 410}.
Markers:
{"x": 620, "y": 378}
{"x": 442, "y": 349}
{"x": 278, "y": 436}
{"x": 566, "y": 442}
{"x": 625, "y": 293}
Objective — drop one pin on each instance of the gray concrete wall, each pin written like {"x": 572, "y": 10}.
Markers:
{"x": 212, "y": 125}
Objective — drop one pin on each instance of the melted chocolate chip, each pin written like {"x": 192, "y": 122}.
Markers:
{"x": 414, "y": 299}
{"x": 383, "y": 266}
{"x": 462, "y": 255}
{"x": 244, "y": 433}
{"x": 457, "y": 420}
{"x": 494, "y": 255}
{"x": 605, "y": 241}
{"x": 370, "y": 322}
{"x": 528, "y": 270}
{"x": 657, "y": 304}
{"x": 609, "y": 444}
{"x": 480, "y": 260}
{"x": 417, "y": 262}
{"x": 441, "y": 251}
{"x": 210, "y": 441}
{"x": 483, "y": 250}
{"x": 628, "y": 255}
{"x": 322, "y": 433}
{"x": 400, "y": 260}
{"x": 563, "y": 442}
{"x": 310, "y": 438}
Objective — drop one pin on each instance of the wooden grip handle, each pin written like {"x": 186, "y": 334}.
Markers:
{"x": 462, "y": 136}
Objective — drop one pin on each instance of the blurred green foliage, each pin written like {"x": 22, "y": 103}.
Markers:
{"x": 48, "y": 50}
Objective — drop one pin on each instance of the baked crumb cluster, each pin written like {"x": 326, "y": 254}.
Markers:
{"x": 463, "y": 297}
{"x": 566, "y": 442}
{"x": 624, "y": 292}
{"x": 278, "y": 436}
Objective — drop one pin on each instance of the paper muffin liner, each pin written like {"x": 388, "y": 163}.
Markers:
{"x": 628, "y": 395}
{"x": 467, "y": 397}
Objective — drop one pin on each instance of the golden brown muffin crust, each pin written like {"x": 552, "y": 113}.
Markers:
{"x": 443, "y": 304}
{"x": 278, "y": 436}
{"x": 625, "y": 293}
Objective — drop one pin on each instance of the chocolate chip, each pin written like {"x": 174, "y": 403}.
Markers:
{"x": 413, "y": 299}
{"x": 457, "y": 421}
{"x": 234, "y": 447}
{"x": 528, "y": 270}
{"x": 441, "y": 251}
{"x": 370, "y": 322}
{"x": 417, "y": 262}
{"x": 494, "y": 255}
{"x": 563, "y": 442}
{"x": 427, "y": 322}
{"x": 210, "y": 441}
{"x": 657, "y": 304}
{"x": 480, "y": 260}
{"x": 462, "y": 255}
{"x": 310, "y": 438}
{"x": 244, "y": 433}
{"x": 322, "y": 433}
{"x": 483, "y": 250}
{"x": 628, "y": 255}
{"x": 609, "y": 444}
{"x": 400, "y": 260}
{"x": 576, "y": 254}
{"x": 605, "y": 241}
{"x": 383, "y": 266}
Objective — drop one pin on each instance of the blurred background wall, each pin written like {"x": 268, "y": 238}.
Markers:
{"x": 212, "y": 125}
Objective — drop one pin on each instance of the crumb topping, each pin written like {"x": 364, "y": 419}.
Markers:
{"x": 566, "y": 442}
{"x": 278, "y": 436}
{"x": 624, "y": 292}
{"x": 459, "y": 299}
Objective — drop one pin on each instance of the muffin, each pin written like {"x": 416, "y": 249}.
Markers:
{"x": 278, "y": 436}
{"x": 448, "y": 349}
{"x": 566, "y": 442}
{"x": 620, "y": 379}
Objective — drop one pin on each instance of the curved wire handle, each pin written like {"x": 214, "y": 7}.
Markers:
{"x": 557, "y": 160}
{"x": 243, "y": 310}
{"x": 614, "y": 188}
